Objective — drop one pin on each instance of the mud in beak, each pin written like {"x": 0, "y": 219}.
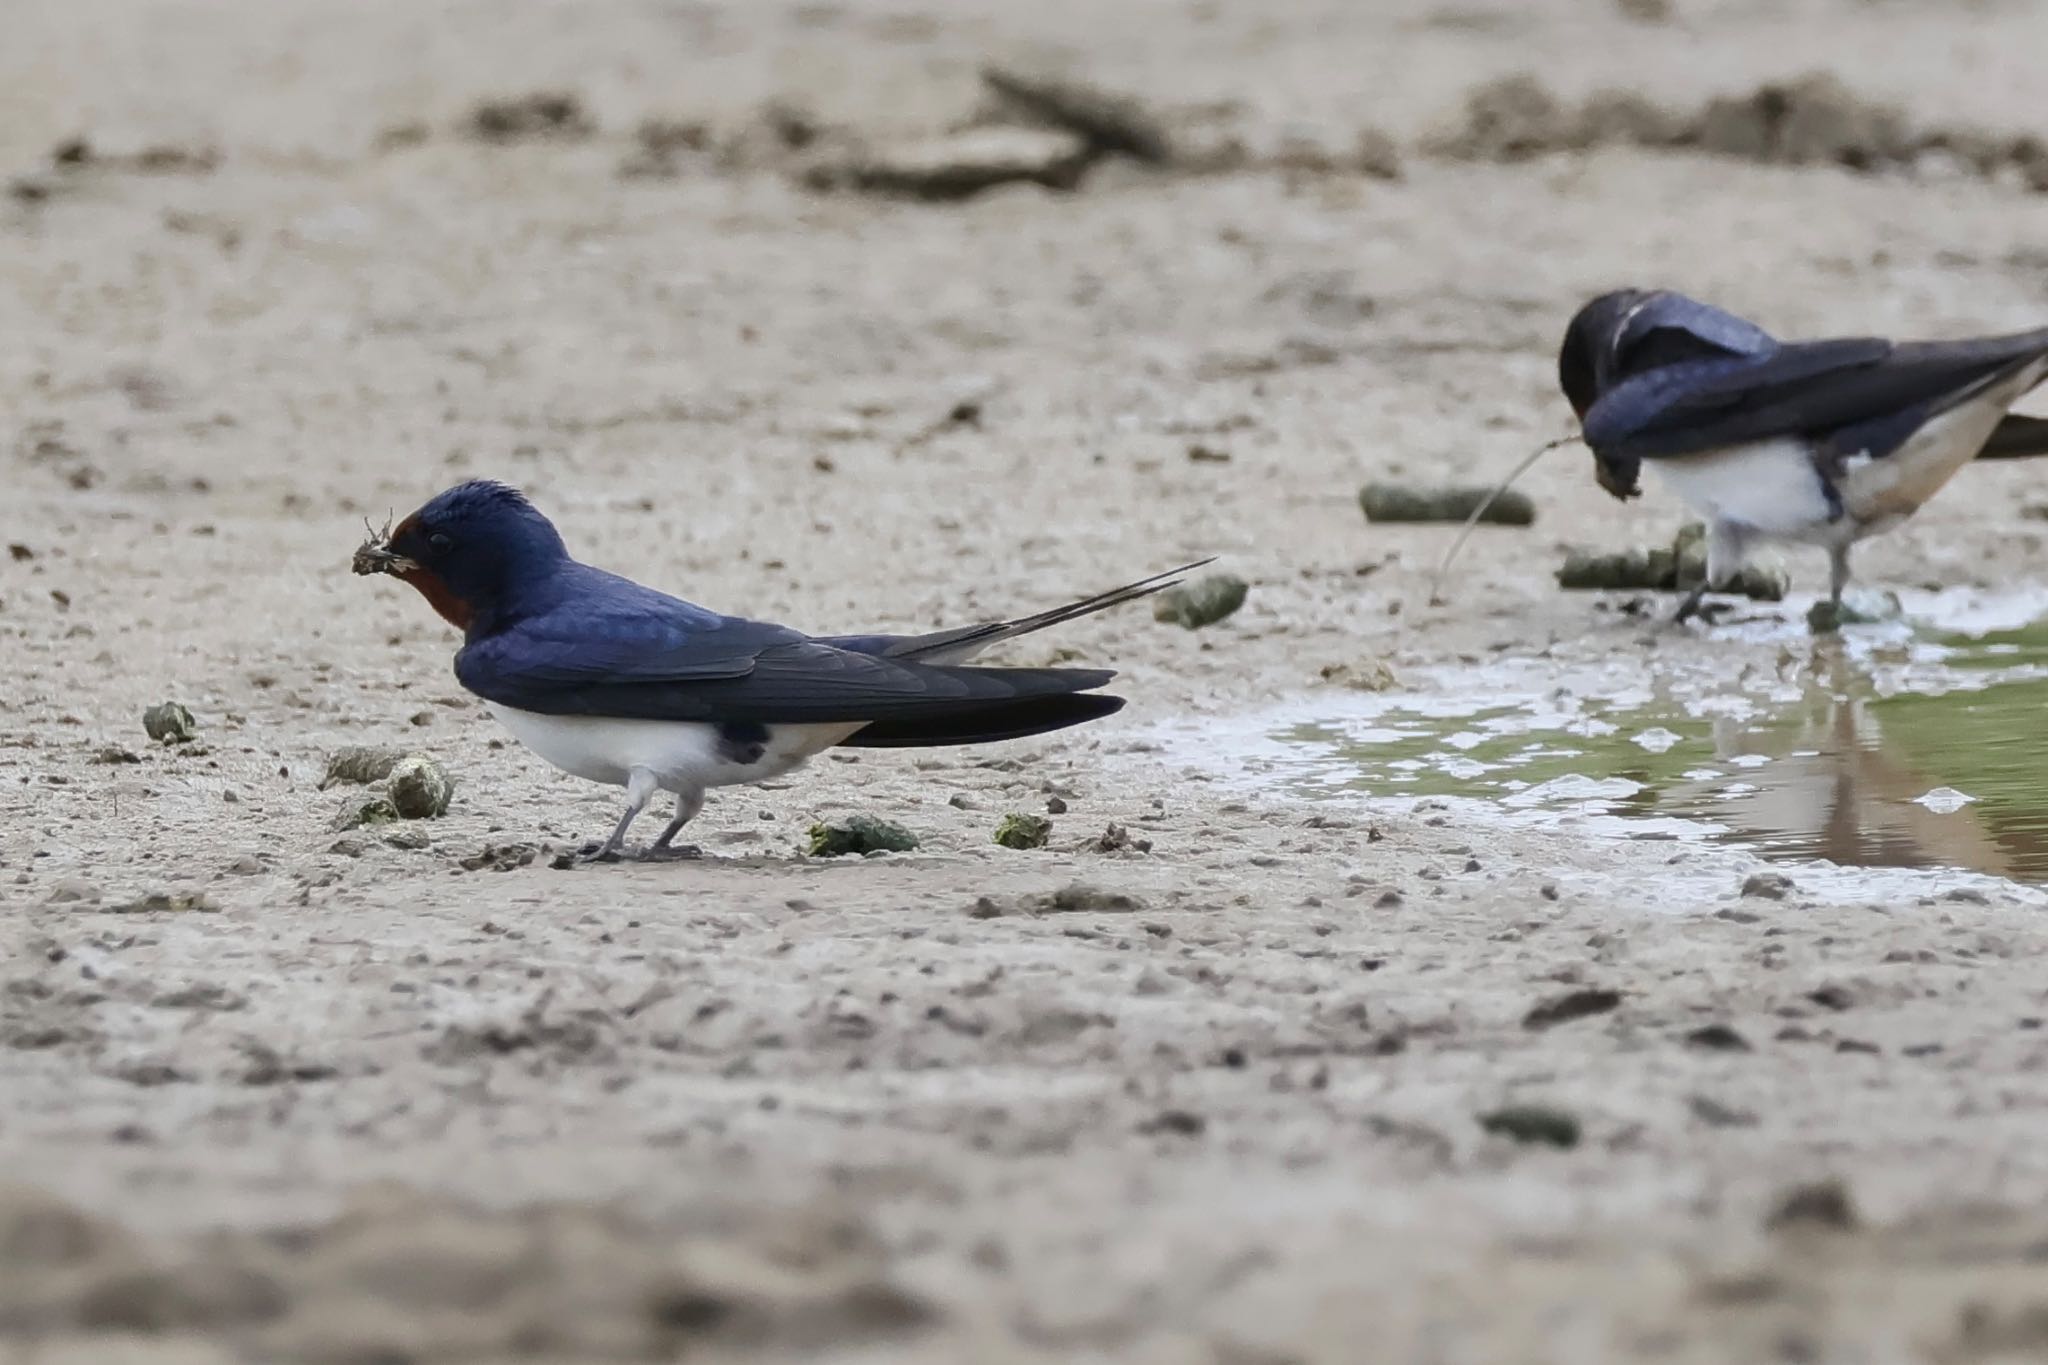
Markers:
{"x": 1622, "y": 480}
{"x": 375, "y": 555}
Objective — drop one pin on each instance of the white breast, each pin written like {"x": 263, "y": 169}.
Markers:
{"x": 684, "y": 756}
{"x": 1767, "y": 486}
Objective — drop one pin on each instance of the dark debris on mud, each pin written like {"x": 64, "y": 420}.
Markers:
{"x": 1812, "y": 120}
{"x": 548, "y": 114}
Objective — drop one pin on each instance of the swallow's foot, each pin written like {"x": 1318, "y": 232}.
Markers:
{"x": 671, "y": 853}
{"x": 1697, "y": 605}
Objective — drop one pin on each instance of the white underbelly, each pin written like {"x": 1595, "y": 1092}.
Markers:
{"x": 1769, "y": 487}
{"x": 683, "y": 755}
{"x": 1894, "y": 486}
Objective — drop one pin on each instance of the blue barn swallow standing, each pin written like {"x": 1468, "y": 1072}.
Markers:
{"x": 617, "y": 683}
{"x": 1812, "y": 442}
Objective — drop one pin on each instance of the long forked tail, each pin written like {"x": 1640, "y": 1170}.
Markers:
{"x": 2017, "y": 438}
{"x": 962, "y": 644}
{"x": 1016, "y": 718}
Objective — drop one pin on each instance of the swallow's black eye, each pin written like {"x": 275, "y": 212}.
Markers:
{"x": 440, "y": 543}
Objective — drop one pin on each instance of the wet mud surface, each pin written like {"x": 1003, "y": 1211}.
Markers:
{"x": 1904, "y": 745}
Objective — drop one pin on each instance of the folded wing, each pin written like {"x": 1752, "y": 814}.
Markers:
{"x": 1814, "y": 390}
{"x": 744, "y": 671}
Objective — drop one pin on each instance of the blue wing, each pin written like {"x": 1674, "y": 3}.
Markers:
{"x": 609, "y": 647}
{"x": 1865, "y": 390}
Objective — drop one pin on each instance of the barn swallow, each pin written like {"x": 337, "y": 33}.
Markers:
{"x": 1811, "y": 442}
{"x": 614, "y": 682}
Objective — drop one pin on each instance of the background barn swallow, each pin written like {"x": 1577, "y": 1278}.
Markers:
{"x": 617, "y": 683}
{"x": 1815, "y": 442}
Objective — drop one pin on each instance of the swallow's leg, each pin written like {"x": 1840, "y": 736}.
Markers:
{"x": 1690, "y": 607}
{"x": 1838, "y": 574}
{"x": 640, "y": 789}
{"x": 1726, "y": 553}
{"x": 663, "y": 849}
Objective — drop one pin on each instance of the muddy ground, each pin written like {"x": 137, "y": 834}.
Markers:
{"x": 268, "y": 1090}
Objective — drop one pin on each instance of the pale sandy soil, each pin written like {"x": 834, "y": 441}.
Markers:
{"x": 762, "y": 1106}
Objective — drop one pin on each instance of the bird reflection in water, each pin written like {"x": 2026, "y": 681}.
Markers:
{"x": 1848, "y": 769}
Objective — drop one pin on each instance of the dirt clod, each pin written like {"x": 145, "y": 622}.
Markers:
{"x": 500, "y": 858}
{"x": 1073, "y": 898}
{"x": 545, "y": 114}
{"x": 1401, "y": 502}
{"x": 1674, "y": 568}
{"x": 361, "y": 765}
{"x": 1824, "y": 1204}
{"x": 1363, "y": 675}
{"x": 166, "y": 902}
{"x": 361, "y": 811}
{"x": 420, "y": 788}
{"x": 861, "y": 834}
{"x": 169, "y": 723}
{"x": 1534, "y": 1124}
{"x": 1717, "y": 1038}
{"x": 1116, "y": 838}
{"x": 1202, "y": 602}
{"x": 1575, "y": 1005}
{"x": 1023, "y": 830}
{"x": 1177, "y": 1122}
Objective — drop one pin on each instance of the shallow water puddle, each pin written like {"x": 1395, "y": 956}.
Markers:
{"x": 1919, "y": 744}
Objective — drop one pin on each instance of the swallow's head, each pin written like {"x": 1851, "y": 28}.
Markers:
{"x": 1585, "y": 363}
{"x": 468, "y": 550}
